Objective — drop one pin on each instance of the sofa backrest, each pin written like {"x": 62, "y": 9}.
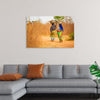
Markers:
{"x": 49, "y": 71}
{"x": 53, "y": 71}
{"x": 23, "y": 69}
{"x": 76, "y": 71}
{"x": 10, "y": 68}
{"x": 16, "y": 68}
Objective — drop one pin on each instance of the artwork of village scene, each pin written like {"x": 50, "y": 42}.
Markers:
{"x": 49, "y": 32}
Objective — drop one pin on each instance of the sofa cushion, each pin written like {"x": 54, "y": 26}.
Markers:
{"x": 62, "y": 90}
{"x": 35, "y": 71}
{"x": 10, "y": 87}
{"x": 10, "y": 77}
{"x": 10, "y": 69}
{"x": 15, "y": 96}
{"x": 99, "y": 91}
{"x": 70, "y": 71}
{"x": 84, "y": 71}
{"x": 61, "y": 83}
{"x": 45, "y": 71}
{"x": 54, "y": 71}
{"x": 22, "y": 69}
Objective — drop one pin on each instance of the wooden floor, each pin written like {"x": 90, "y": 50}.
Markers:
{"x": 59, "y": 97}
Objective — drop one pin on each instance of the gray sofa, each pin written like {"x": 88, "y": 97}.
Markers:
{"x": 57, "y": 79}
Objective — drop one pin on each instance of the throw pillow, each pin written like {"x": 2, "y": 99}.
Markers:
{"x": 35, "y": 71}
{"x": 10, "y": 76}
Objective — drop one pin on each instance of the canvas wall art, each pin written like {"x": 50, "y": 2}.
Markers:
{"x": 50, "y": 32}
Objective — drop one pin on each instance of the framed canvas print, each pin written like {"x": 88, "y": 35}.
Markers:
{"x": 49, "y": 32}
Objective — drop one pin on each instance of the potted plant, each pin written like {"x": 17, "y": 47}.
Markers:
{"x": 94, "y": 70}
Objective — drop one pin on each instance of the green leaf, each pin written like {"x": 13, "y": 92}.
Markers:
{"x": 93, "y": 67}
{"x": 95, "y": 72}
{"x": 98, "y": 75}
{"x": 91, "y": 70}
{"x": 59, "y": 18}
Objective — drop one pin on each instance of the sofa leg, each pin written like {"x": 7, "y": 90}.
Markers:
{"x": 93, "y": 96}
{"x": 98, "y": 96}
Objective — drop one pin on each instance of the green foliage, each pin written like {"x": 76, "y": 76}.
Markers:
{"x": 58, "y": 18}
{"x": 94, "y": 70}
{"x": 93, "y": 67}
{"x": 98, "y": 75}
{"x": 70, "y": 36}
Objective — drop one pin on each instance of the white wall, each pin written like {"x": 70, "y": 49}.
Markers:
{"x": 13, "y": 31}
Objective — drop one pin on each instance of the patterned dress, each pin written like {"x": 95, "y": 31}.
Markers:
{"x": 60, "y": 35}
{"x": 52, "y": 34}
{"x": 52, "y": 30}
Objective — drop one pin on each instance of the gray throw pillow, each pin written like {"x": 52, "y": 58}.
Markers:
{"x": 53, "y": 71}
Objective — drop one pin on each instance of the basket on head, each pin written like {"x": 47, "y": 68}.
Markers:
{"x": 52, "y": 21}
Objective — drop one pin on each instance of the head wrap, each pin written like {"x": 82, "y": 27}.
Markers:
{"x": 61, "y": 27}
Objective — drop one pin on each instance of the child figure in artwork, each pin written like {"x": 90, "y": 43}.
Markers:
{"x": 52, "y": 30}
{"x": 59, "y": 32}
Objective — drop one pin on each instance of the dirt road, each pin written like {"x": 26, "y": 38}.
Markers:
{"x": 47, "y": 43}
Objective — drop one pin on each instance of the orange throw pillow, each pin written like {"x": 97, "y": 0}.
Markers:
{"x": 35, "y": 71}
{"x": 10, "y": 77}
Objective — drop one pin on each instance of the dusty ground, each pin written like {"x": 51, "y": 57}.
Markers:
{"x": 45, "y": 42}
{"x": 56, "y": 44}
{"x": 38, "y": 36}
